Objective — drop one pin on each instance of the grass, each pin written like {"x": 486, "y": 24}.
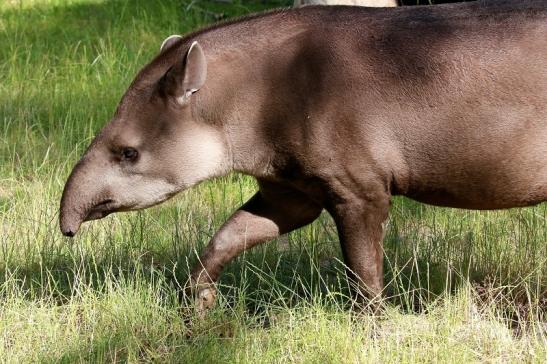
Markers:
{"x": 463, "y": 286}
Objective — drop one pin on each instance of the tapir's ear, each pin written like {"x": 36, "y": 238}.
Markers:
{"x": 187, "y": 75}
{"x": 195, "y": 71}
{"x": 169, "y": 41}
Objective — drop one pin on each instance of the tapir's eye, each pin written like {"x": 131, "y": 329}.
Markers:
{"x": 130, "y": 154}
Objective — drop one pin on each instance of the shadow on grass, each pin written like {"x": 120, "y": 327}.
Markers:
{"x": 301, "y": 270}
{"x": 306, "y": 266}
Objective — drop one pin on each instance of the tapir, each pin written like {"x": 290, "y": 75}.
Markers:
{"x": 370, "y": 3}
{"x": 330, "y": 108}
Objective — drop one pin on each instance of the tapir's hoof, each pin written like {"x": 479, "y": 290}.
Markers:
{"x": 205, "y": 300}
{"x": 373, "y": 307}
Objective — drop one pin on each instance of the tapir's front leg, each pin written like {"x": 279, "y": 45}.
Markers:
{"x": 361, "y": 231}
{"x": 272, "y": 211}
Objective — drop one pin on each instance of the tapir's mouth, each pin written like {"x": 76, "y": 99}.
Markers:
{"x": 101, "y": 210}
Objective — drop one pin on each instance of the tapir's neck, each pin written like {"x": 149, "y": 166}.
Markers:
{"x": 242, "y": 93}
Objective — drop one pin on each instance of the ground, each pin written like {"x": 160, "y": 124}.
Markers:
{"x": 462, "y": 286}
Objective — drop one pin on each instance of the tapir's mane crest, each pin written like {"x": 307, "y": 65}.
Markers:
{"x": 268, "y": 25}
{"x": 153, "y": 71}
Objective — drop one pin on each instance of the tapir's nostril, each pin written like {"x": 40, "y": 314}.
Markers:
{"x": 68, "y": 233}
{"x": 69, "y": 227}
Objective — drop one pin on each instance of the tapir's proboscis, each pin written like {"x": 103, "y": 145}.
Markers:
{"x": 336, "y": 108}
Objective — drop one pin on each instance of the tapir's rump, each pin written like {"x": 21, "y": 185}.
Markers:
{"x": 336, "y": 108}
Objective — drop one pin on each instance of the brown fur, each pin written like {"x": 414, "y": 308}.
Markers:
{"x": 370, "y": 3}
{"x": 340, "y": 108}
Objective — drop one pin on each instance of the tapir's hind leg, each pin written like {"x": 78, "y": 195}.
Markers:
{"x": 272, "y": 211}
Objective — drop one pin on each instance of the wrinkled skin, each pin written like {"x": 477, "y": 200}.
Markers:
{"x": 443, "y": 104}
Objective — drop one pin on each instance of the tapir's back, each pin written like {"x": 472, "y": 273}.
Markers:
{"x": 451, "y": 100}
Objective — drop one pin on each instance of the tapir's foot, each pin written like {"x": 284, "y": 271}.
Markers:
{"x": 200, "y": 296}
{"x": 369, "y": 307}
{"x": 205, "y": 300}
{"x": 368, "y": 302}
{"x": 196, "y": 301}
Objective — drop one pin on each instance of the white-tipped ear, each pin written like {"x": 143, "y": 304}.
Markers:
{"x": 195, "y": 71}
{"x": 187, "y": 75}
{"x": 169, "y": 41}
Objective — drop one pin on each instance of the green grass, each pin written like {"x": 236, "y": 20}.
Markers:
{"x": 462, "y": 286}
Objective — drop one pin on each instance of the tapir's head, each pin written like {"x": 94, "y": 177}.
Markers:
{"x": 156, "y": 144}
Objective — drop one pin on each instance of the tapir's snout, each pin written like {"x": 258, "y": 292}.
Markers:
{"x": 71, "y": 219}
{"x": 83, "y": 199}
{"x": 96, "y": 189}
{"x": 71, "y": 214}
{"x": 69, "y": 222}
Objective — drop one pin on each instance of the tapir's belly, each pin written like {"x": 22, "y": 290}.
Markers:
{"x": 498, "y": 188}
{"x": 497, "y": 174}
{"x": 445, "y": 198}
